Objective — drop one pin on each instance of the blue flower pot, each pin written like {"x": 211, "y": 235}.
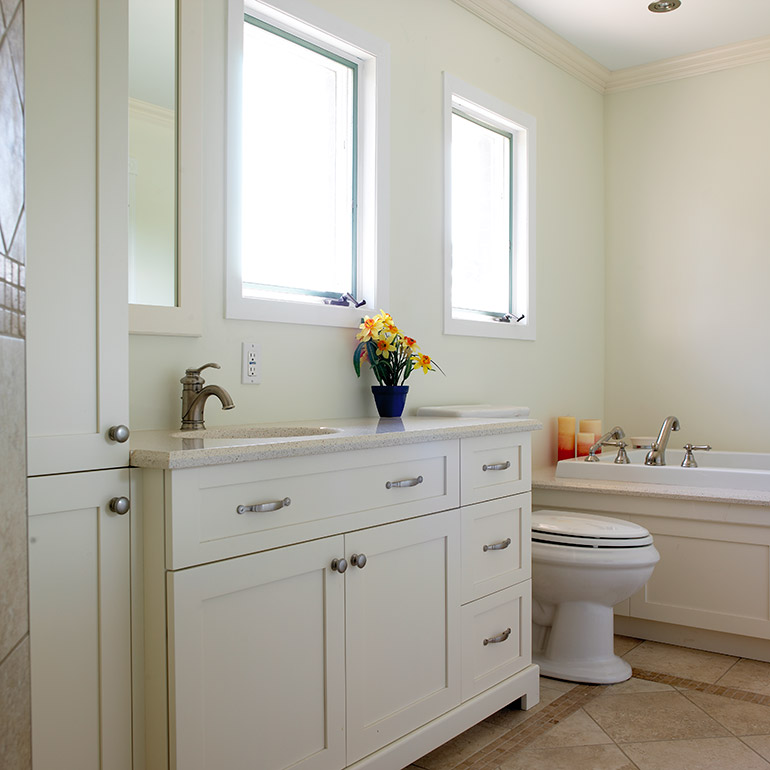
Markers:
{"x": 390, "y": 399}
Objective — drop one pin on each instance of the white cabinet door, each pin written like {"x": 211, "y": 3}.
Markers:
{"x": 76, "y": 204}
{"x": 402, "y": 629}
{"x": 80, "y": 630}
{"x": 257, "y": 661}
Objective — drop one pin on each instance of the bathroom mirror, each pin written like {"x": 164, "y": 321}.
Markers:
{"x": 163, "y": 253}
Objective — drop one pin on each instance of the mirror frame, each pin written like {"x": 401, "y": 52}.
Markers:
{"x": 185, "y": 318}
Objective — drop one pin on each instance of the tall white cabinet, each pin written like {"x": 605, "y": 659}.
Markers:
{"x": 77, "y": 383}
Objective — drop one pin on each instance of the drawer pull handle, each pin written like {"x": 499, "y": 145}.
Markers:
{"x": 497, "y": 466}
{"x": 498, "y": 546}
{"x": 264, "y": 507}
{"x": 497, "y": 639}
{"x": 404, "y": 483}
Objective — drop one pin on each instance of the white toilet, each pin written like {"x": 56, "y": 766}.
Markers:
{"x": 583, "y": 565}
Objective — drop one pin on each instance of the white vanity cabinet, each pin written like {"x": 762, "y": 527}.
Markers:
{"x": 342, "y": 617}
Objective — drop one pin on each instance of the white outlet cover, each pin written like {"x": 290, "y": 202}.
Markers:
{"x": 251, "y": 363}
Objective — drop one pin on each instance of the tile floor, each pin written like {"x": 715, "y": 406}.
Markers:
{"x": 682, "y": 710}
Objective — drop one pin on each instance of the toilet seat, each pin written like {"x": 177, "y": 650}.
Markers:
{"x": 566, "y": 528}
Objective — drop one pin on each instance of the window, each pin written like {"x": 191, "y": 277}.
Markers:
{"x": 490, "y": 215}
{"x": 307, "y": 166}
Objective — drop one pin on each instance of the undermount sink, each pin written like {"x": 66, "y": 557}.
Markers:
{"x": 254, "y": 432}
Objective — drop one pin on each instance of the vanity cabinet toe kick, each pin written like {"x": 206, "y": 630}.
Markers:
{"x": 355, "y": 609}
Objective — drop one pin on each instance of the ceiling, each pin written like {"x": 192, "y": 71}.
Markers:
{"x": 623, "y": 33}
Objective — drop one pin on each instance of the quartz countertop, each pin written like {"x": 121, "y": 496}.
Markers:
{"x": 168, "y": 450}
{"x": 546, "y": 479}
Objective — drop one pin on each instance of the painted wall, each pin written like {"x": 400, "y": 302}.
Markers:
{"x": 307, "y": 371}
{"x": 688, "y": 258}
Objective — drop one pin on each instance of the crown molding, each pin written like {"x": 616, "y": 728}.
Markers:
{"x": 151, "y": 112}
{"x": 700, "y": 63}
{"x": 523, "y": 28}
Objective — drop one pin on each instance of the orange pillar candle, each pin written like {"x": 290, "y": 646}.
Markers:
{"x": 592, "y": 426}
{"x": 584, "y": 442}
{"x": 565, "y": 439}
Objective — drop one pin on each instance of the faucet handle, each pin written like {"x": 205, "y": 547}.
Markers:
{"x": 689, "y": 459}
{"x": 201, "y": 368}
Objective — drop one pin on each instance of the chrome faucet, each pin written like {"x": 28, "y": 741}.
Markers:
{"x": 615, "y": 433}
{"x": 657, "y": 453}
{"x": 194, "y": 397}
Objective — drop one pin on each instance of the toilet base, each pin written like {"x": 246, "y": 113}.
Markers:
{"x": 609, "y": 670}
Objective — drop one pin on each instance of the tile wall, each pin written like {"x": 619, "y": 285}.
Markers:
{"x": 15, "y": 743}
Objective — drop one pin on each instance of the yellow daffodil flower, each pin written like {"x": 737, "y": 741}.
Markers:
{"x": 423, "y": 362}
{"x": 385, "y": 347}
{"x": 370, "y": 328}
{"x": 410, "y": 343}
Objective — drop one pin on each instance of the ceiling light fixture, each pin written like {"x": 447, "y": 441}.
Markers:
{"x": 664, "y": 6}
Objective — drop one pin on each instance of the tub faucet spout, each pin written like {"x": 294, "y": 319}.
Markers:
{"x": 657, "y": 454}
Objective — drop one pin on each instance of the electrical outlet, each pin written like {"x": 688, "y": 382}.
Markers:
{"x": 251, "y": 363}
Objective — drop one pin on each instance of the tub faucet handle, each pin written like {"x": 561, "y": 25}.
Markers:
{"x": 621, "y": 458}
{"x": 689, "y": 458}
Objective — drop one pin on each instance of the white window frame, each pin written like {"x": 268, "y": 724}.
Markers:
{"x": 491, "y": 111}
{"x": 373, "y": 170}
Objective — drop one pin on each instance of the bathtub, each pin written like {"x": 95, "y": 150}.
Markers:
{"x": 724, "y": 470}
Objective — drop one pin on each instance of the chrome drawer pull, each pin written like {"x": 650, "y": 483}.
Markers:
{"x": 264, "y": 507}
{"x": 497, "y": 639}
{"x": 498, "y": 546}
{"x": 497, "y": 466}
{"x": 404, "y": 483}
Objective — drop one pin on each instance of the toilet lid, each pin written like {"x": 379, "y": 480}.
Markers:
{"x": 588, "y": 530}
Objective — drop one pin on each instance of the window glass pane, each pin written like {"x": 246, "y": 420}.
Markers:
{"x": 481, "y": 217}
{"x": 298, "y": 167}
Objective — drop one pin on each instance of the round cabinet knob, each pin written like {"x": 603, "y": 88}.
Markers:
{"x": 120, "y": 505}
{"x": 119, "y": 433}
{"x": 358, "y": 560}
{"x": 339, "y": 565}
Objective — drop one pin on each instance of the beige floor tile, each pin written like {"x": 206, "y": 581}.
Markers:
{"x": 747, "y": 674}
{"x": 635, "y": 685}
{"x": 700, "y": 754}
{"x": 460, "y": 748}
{"x": 556, "y": 684}
{"x": 680, "y": 661}
{"x": 760, "y": 744}
{"x": 652, "y": 716}
{"x": 605, "y": 757}
{"x": 578, "y": 729}
{"x": 624, "y": 644}
{"x": 508, "y": 718}
{"x": 739, "y": 717}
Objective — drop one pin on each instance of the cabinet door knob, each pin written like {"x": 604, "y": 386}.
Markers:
{"x": 499, "y": 638}
{"x": 358, "y": 560}
{"x": 339, "y": 565}
{"x": 497, "y": 466}
{"x": 119, "y": 433}
{"x": 120, "y": 505}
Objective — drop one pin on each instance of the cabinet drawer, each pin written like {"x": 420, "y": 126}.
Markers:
{"x": 327, "y": 494}
{"x": 495, "y": 466}
{"x": 503, "y": 621}
{"x": 497, "y": 545}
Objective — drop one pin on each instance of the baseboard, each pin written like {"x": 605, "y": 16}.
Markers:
{"x": 696, "y": 638}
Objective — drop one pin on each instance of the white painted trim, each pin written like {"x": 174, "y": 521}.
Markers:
{"x": 524, "y": 29}
{"x": 373, "y": 172}
{"x": 520, "y": 26}
{"x": 525, "y": 226}
{"x": 690, "y": 65}
{"x": 185, "y": 319}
